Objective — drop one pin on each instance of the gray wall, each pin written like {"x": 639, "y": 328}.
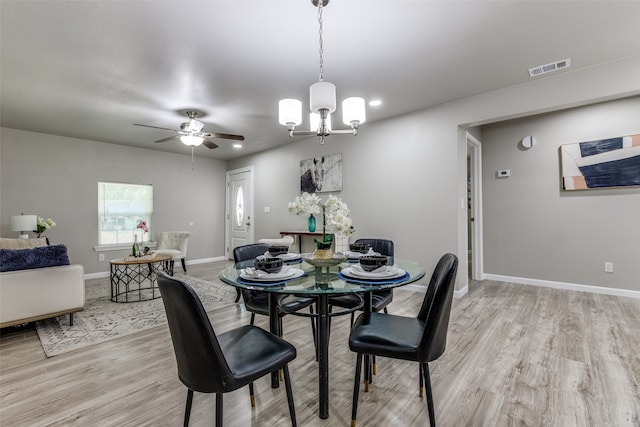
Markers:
{"x": 532, "y": 228}
{"x": 57, "y": 177}
{"x": 406, "y": 178}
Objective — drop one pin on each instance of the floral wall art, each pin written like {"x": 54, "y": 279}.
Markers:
{"x": 603, "y": 163}
{"x": 321, "y": 174}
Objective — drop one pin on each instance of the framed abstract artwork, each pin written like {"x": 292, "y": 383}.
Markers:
{"x": 321, "y": 174}
{"x": 603, "y": 163}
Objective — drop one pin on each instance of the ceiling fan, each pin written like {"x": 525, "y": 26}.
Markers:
{"x": 191, "y": 133}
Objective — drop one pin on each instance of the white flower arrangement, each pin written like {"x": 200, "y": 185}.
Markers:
{"x": 43, "y": 225}
{"x": 335, "y": 213}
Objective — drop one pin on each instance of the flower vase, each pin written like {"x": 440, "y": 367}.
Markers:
{"x": 323, "y": 247}
{"x": 311, "y": 223}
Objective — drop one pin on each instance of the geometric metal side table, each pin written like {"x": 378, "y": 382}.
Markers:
{"x": 134, "y": 280}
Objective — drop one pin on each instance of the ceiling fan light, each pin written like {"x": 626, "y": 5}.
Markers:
{"x": 191, "y": 140}
{"x": 322, "y": 95}
{"x": 353, "y": 110}
{"x": 290, "y": 112}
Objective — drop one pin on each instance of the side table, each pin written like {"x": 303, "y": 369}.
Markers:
{"x": 134, "y": 280}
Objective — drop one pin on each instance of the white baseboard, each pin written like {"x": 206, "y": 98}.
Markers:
{"x": 459, "y": 293}
{"x": 102, "y": 274}
{"x": 564, "y": 285}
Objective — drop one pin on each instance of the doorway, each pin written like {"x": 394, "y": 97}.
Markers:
{"x": 474, "y": 207}
{"x": 239, "y": 219}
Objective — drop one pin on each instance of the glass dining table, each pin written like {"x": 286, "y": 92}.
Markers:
{"x": 321, "y": 282}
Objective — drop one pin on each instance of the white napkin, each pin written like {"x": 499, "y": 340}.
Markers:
{"x": 254, "y": 273}
{"x": 382, "y": 269}
{"x": 352, "y": 254}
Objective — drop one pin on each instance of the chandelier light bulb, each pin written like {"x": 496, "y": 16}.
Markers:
{"x": 290, "y": 112}
{"x": 322, "y": 95}
{"x": 353, "y": 110}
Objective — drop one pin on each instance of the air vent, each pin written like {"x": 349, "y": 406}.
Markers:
{"x": 547, "y": 68}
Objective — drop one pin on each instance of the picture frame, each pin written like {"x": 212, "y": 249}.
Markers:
{"x": 321, "y": 174}
{"x": 602, "y": 163}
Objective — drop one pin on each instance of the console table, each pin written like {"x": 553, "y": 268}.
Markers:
{"x": 300, "y": 233}
{"x": 134, "y": 280}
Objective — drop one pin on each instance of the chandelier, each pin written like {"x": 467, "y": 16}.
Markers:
{"x": 322, "y": 102}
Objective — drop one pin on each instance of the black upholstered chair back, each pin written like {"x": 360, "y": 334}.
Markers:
{"x": 201, "y": 364}
{"x": 436, "y": 308}
{"x": 245, "y": 253}
{"x": 382, "y": 246}
{"x": 250, "y": 251}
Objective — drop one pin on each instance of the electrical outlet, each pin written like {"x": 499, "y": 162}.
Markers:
{"x": 267, "y": 209}
{"x": 101, "y": 257}
{"x": 608, "y": 267}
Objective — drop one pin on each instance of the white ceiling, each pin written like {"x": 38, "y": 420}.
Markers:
{"x": 90, "y": 69}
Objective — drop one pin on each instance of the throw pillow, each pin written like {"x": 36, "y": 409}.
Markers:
{"x": 40, "y": 257}
{"x": 6, "y": 243}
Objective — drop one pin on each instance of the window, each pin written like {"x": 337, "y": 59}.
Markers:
{"x": 120, "y": 207}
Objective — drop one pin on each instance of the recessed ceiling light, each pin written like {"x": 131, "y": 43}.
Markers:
{"x": 375, "y": 103}
{"x": 237, "y": 145}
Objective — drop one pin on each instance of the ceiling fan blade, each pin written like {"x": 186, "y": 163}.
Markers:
{"x": 167, "y": 139}
{"x": 224, "y": 136}
{"x": 155, "y": 127}
{"x": 209, "y": 144}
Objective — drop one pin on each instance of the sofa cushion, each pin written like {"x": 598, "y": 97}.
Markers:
{"x": 24, "y": 259}
{"x": 6, "y": 243}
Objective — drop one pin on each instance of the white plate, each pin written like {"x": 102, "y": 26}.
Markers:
{"x": 287, "y": 273}
{"x": 392, "y": 273}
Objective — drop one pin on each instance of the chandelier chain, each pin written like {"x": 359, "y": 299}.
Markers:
{"x": 321, "y": 51}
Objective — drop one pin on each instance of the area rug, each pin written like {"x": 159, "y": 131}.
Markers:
{"x": 103, "y": 320}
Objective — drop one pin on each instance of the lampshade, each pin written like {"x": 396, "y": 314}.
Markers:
{"x": 314, "y": 121}
{"x": 353, "y": 110}
{"x": 290, "y": 111}
{"x": 191, "y": 140}
{"x": 322, "y": 95}
{"x": 23, "y": 223}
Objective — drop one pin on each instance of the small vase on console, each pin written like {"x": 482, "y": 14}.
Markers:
{"x": 311, "y": 223}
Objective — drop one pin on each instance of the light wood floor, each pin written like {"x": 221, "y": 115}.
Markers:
{"x": 516, "y": 356}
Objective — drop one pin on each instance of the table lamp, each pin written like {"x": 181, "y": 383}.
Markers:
{"x": 23, "y": 224}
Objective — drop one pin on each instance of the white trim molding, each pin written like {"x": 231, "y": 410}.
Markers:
{"x": 102, "y": 274}
{"x": 563, "y": 285}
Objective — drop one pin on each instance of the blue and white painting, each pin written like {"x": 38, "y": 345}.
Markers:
{"x": 602, "y": 163}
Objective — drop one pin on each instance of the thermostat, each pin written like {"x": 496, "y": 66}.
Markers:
{"x": 503, "y": 173}
{"x": 528, "y": 142}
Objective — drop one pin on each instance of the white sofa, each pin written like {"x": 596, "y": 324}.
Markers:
{"x": 39, "y": 293}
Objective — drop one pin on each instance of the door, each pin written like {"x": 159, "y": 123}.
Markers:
{"x": 474, "y": 200}
{"x": 239, "y": 209}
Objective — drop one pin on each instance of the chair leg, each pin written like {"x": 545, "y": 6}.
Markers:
{"x": 427, "y": 384}
{"x": 253, "y": 317}
{"x": 219, "y": 416}
{"x": 287, "y": 386}
{"x": 238, "y": 294}
{"x": 184, "y": 265}
{"x": 367, "y": 372}
{"x": 252, "y": 396}
{"x": 313, "y": 331}
{"x": 356, "y": 390}
{"x": 421, "y": 375}
{"x": 187, "y": 410}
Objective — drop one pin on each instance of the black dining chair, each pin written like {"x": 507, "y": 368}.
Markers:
{"x": 257, "y": 302}
{"x": 210, "y": 363}
{"x": 379, "y": 299}
{"x": 421, "y": 339}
